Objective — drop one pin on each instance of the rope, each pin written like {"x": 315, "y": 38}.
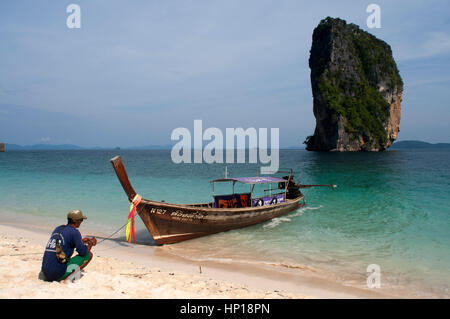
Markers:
{"x": 112, "y": 234}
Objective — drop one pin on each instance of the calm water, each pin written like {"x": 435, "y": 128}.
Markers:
{"x": 390, "y": 209}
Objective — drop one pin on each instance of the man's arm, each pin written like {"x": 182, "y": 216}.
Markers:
{"x": 80, "y": 246}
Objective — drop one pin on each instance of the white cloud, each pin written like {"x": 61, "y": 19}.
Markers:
{"x": 435, "y": 44}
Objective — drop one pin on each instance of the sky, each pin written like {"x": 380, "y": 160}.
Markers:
{"x": 137, "y": 70}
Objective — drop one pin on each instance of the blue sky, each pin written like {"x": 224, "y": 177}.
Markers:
{"x": 136, "y": 70}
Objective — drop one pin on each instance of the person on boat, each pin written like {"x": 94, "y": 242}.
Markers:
{"x": 57, "y": 263}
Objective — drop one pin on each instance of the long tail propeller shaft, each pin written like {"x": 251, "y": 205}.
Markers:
{"x": 332, "y": 186}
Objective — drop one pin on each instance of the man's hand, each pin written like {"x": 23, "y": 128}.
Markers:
{"x": 90, "y": 241}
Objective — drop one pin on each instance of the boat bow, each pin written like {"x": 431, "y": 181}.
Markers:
{"x": 123, "y": 177}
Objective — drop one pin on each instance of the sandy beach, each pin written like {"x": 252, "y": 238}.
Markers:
{"x": 106, "y": 277}
{"x": 123, "y": 270}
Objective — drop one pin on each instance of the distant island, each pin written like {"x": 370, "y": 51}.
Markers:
{"x": 63, "y": 147}
{"x": 71, "y": 147}
{"x": 41, "y": 147}
{"x": 418, "y": 145}
{"x": 67, "y": 147}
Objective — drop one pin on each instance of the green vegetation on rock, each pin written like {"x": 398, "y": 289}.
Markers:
{"x": 359, "y": 103}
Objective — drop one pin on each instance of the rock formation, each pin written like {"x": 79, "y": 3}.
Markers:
{"x": 357, "y": 89}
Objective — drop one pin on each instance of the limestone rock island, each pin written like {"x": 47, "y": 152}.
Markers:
{"x": 357, "y": 89}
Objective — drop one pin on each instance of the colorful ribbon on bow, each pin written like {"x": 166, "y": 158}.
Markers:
{"x": 129, "y": 229}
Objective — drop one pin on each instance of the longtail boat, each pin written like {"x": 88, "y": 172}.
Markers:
{"x": 173, "y": 223}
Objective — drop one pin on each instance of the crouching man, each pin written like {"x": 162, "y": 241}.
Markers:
{"x": 58, "y": 263}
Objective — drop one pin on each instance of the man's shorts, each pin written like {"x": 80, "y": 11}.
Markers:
{"x": 74, "y": 264}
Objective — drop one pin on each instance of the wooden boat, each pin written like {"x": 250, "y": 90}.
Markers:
{"x": 172, "y": 223}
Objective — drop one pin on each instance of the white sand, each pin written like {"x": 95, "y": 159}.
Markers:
{"x": 122, "y": 270}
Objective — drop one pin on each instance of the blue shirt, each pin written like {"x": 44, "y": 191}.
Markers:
{"x": 69, "y": 240}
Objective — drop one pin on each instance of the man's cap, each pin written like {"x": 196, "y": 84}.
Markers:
{"x": 76, "y": 215}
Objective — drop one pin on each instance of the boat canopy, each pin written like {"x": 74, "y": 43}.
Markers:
{"x": 251, "y": 180}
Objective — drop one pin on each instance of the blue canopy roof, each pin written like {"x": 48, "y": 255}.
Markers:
{"x": 252, "y": 180}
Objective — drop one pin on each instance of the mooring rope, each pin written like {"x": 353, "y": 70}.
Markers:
{"x": 109, "y": 237}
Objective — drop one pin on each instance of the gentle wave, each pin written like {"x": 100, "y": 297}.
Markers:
{"x": 278, "y": 220}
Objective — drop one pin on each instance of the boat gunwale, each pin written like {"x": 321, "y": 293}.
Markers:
{"x": 216, "y": 209}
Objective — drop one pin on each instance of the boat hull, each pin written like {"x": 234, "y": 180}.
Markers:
{"x": 168, "y": 223}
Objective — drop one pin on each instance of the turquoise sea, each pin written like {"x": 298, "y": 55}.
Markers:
{"x": 390, "y": 209}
